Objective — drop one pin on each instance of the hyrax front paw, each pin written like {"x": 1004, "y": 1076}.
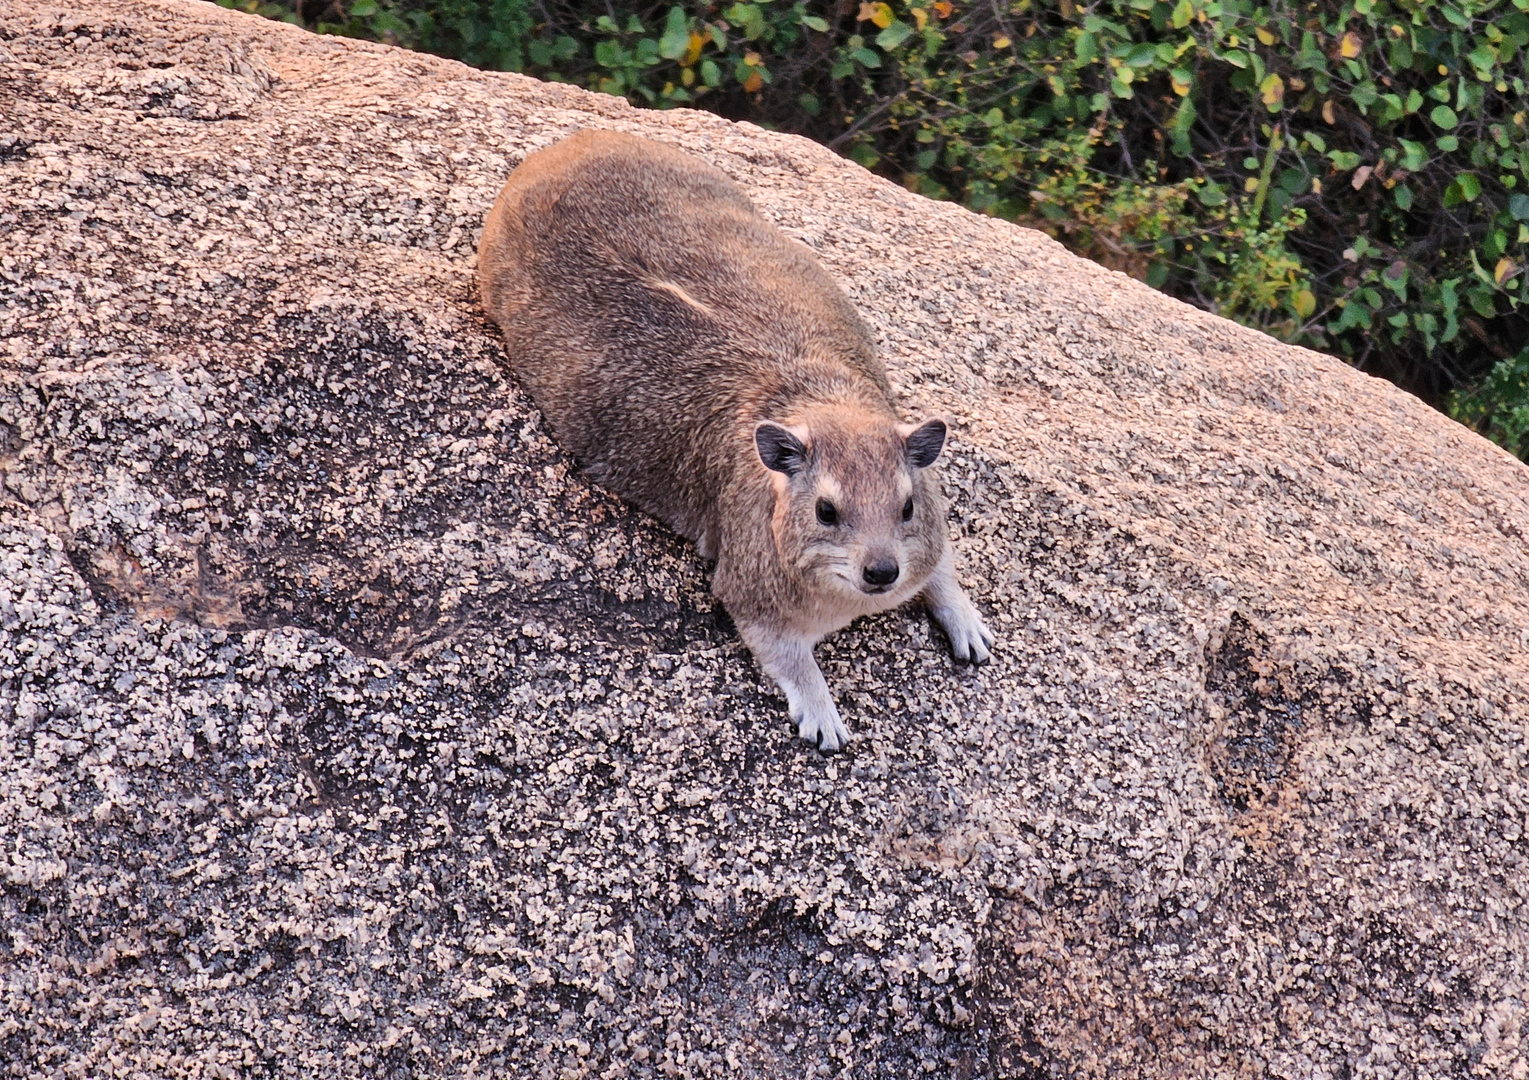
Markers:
{"x": 970, "y": 639}
{"x": 821, "y": 725}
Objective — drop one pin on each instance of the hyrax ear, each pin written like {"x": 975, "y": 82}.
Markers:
{"x": 781, "y": 449}
{"x": 924, "y": 442}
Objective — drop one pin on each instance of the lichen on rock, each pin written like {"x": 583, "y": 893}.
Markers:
{"x": 345, "y": 729}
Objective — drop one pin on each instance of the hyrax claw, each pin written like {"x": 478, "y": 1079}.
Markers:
{"x": 708, "y": 369}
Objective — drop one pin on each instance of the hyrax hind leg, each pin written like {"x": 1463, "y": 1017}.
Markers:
{"x": 788, "y": 660}
{"x": 969, "y": 636}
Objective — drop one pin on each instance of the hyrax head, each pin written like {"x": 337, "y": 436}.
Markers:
{"x": 856, "y": 511}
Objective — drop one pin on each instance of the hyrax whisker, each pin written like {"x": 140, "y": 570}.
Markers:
{"x": 705, "y": 367}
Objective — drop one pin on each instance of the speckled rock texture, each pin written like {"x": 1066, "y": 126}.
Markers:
{"x": 346, "y": 731}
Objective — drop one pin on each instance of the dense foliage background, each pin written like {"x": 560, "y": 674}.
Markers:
{"x": 1350, "y": 176}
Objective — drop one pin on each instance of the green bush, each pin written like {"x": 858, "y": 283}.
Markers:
{"x": 1351, "y": 176}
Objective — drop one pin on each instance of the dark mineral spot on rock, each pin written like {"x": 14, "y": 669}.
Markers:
{"x": 1256, "y": 716}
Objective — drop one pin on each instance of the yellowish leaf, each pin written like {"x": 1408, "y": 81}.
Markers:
{"x": 1316, "y": 185}
{"x": 1504, "y": 270}
{"x": 1001, "y": 42}
{"x": 1350, "y": 46}
{"x": 1266, "y": 37}
{"x": 1272, "y": 90}
{"x": 1180, "y": 88}
{"x": 943, "y": 8}
{"x": 753, "y": 59}
{"x": 1327, "y": 112}
{"x": 920, "y": 18}
{"x": 693, "y": 51}
{"x": 1250, "y": 184}
{"x": 753, "y": 82}
{"x": 877, "y": 14}
{"x": 1305, "y": 303}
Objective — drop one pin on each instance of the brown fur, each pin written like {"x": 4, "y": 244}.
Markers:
{"x": 657, "y": 320}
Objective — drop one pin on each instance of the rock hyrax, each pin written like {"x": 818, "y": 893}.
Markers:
{"x": 706, "y": 368}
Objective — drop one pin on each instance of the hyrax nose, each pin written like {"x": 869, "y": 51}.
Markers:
{"x": 880, "y": 573}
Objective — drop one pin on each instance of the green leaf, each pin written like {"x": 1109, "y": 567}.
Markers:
{"x": 1463, "y": 188}
{"x": 609, "y": 53}
{"x": 1403, "y": 197}
{"x": 1343, "y": 160}
{"x": 1443, "y": 116}
{"x": 1183, "y": 122}
{"x": 711, "y": 75}
{"x": 1211, "y": 194}
{"x": 863, "y": 154}
{"x": 748, "y": 17}
{"x": 1236, "y": 58}
{"x": 362, "y": 8}
{"x": 1316, "y": 142}
{"x": 1310, "y": 57}
{"x": 1414, "y": 155}
{"x": 1142, "y": 55}
{"x": 812, "y": 22}
{"x": 1182, "y": 15}
{"x": 1484, "y": 58}
{"x": 868, "y": 57}
{"x": 1086, "y": 48}
{"x": 1518, "y": 206}
{"x": 675, "y": 41}
{"x": 894, "y": 35}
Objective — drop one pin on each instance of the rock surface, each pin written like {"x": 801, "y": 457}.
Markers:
{"x": 346, "y": 731}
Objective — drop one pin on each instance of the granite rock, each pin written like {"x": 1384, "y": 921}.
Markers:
{"x": 346, "y": 730}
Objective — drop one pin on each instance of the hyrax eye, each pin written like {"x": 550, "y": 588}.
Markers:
{"x": 908, "y": 509}
{"x": 827, "y": 515}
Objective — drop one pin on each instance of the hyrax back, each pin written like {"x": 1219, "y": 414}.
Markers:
{"x": 704, "y": 366}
